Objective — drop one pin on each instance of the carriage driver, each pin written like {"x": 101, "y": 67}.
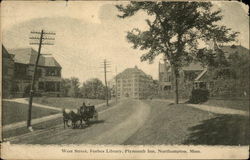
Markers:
{"x": 83, "y": 108}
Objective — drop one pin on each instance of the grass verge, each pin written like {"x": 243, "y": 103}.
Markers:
{"x": 44, "y": 125}
{"x": 240, "y": 104}
{"x": 179, "y": 124}
{"x": 16, "y": 112}
{"x": 66, "y": 102}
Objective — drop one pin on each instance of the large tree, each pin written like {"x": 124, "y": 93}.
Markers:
{"x": 70, "y": 87}
{"x": 65, "y": 86}
{"x": 93, "y": 88}
{"x": 176, "y": 29}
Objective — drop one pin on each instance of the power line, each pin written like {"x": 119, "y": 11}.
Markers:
{"x": 39, "y": 43}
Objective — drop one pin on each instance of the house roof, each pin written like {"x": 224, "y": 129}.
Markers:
{"x": 5, "y": 53}
{"x": 130, "y": 71}
{"x": 190, "y": 67}
{"x": 28, "y": 56}
{"x": 227, "y": 50}
{"x": 234, "y": 48}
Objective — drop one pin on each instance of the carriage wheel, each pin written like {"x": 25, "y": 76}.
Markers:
{"x": 78, "y": 124}
{"x": 69, "y": 123}
{"x": 86, "y": 121}
{"x": 95, "y": 116}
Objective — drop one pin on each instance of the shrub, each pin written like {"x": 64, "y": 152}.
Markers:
{"x": 199, "y": 96}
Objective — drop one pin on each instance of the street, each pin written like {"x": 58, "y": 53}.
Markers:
{"x": 115, "y": 125}
{"x": 151, "y": 122}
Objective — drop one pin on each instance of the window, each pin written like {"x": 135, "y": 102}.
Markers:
{"x": 41, "y": 86}
{"x": 50, "y": 86}
{"x": 53, "y": 72}
{"x": 169, "y": 78}
{"x": 20, "y": 71}
{"x": 58, "y": 86}
{"x": 38, "y": 73}
{"x": 167, "y": 88}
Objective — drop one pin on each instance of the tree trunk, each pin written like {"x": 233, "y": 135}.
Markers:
{"x": 176, "y": 89}
{"x": 175, "y": 75}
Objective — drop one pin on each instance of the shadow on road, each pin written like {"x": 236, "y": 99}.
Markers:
{"x": 90, "y": 124}
{"x": 221, "y": 130}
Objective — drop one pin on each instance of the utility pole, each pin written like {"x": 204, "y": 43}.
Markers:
{"x": 116, "y": 84}
{"x": 105, "y": 78}
{"x": 105, "y": 66}
{"x": 40, "y": 43}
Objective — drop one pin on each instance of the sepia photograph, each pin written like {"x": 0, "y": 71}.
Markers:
{"x": 125, "y": 79}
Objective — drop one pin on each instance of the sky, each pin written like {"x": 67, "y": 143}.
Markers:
{"x": 88, "y": 32}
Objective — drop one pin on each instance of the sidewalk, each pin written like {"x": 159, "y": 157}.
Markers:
{"x": 218, "y": 110}
{"x": 212, "y": 109}
{"x": 24, "y": 101}
{"x": 37, "y": 120}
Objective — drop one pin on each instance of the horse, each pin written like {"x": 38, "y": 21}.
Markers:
{"x": 82, "y": 114}
{"x": 73, "y": 116}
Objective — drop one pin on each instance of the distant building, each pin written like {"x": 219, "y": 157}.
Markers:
{"x": 193, "y": 75}
{"x": 133, "y": 83}
{"x": 203, "y": 81}
{"x": 111, "y": 86}
{"x": 165, "y": 76}
{"x": 7, "y": 72}
{"x": 187, "y": 74}
{"x": 48, "y": 78}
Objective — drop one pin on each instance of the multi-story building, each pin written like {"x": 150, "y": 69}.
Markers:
{"x": 193, "y": 75}
{"x": 112, "y": 87}
{"x": 7, "y": 72}
{"x": 187, "y": 76}
{"x": 48, "y": 77}
{"x": 165, "y": 76}
{"x": 133, "y": 83}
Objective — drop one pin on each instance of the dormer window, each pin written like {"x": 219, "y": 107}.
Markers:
{"x": 52, "y": 72}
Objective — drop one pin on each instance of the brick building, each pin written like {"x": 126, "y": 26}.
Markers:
{"x": 133, "y": 83}
{"x": 7, "y": 72}
{"x": 48, "y": 78}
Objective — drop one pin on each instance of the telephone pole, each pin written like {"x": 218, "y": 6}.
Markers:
{"x": 116, "y": 84}
{"x": 41, "y": 42}
{"x": 106, "y": 65}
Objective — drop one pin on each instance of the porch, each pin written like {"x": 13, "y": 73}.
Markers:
{"x": 49, "y": 88}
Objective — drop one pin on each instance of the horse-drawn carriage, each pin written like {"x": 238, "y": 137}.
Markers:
{"x": 79, "y": 117}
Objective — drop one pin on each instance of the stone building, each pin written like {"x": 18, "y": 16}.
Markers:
{"x": 133, "y": 83}
{"x": 7, "y": 72}
{"x": 165, "y": 76}
{"x": 48, "y": 78}
{"x": 232, "y": 85}
{"x": 187, "y": 76}
{"x": 196, "y": 76}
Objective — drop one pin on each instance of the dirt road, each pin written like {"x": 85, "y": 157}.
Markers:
{"x": 115, "y": 126}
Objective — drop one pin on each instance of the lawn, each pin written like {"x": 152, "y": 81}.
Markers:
{"x": 180, "y": 124}
{"x": 66, "y": 102}
{"x": 239, "y": 104}
{"x": 43, "y": 125}
{"x": 16, "y": 112}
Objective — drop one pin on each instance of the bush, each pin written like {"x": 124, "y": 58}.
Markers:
{"x": 199, "y": 96}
